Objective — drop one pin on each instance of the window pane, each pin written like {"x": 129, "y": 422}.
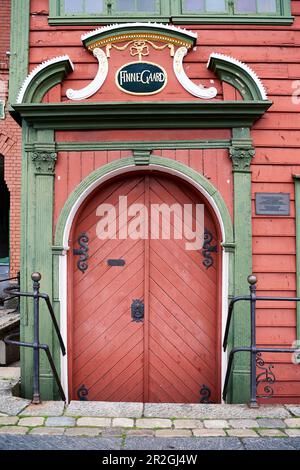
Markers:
{"x": 266, "y": 6}
{"x": 73, "y": 6}
{"x": 146, "y": 5}
{"x": 246, "y": 6}
{"x": 194, "y": 5}
{"x": 93, "y": 6}
{"x": 125, "y": 5}
{"x": 215, "y": 5}
{"x": 205, "y": 6}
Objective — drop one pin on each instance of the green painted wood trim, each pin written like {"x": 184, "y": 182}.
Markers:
{"x": 141, "y": 115}
{"x": 237, "y": 76}
{"x": 133, "y": 28}
{"x": 241, "y": 153}
{"x": 48, "y": 77}
{"x": 36, "y": 253}
{"x": 19, "y": 46}
{"x": 133, "y": 145}
{"x": 129, "y": 162}
{"x": 297, "y": 216}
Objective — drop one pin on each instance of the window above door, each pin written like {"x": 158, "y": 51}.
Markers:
{"x": 92, "y": 12}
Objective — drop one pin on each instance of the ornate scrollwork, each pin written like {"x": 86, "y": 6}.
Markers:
{"x": 82, "y": 393}
{"x": 82, "y": 252}
{"x": 44, "y": 162}
{"x": 241, "y": 157}
{"x": 208, "y": 249}
{"x": 205, "y": 393}
{"x": 266, "y": 377}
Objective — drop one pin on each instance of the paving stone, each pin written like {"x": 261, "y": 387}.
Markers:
{"x": 96, "y": 422}
{"x": 123, "y": 422}
{"x": 140, "y": 432}
{"x": 293, "y": 422}
{"x": 13, "y": 430}
{"x": 8, "y": 420}
{"x": 271, "y": 433}
{"x": 112, "y": 432}
{"x": 56, "y": 421}
{"x": 295, "y": 410}
{"x": 113, "y": 410}
{"x": 47, "y": 408}
{"x": 292, "y": 432}
{"x": 268, "y": 443}
{"x": 48, "y": 431}
{"x": 208, "y": 432}
{"x": 271, "y": 423}
{"x": 184, "y": 443}
{"x": 243, "y": 423}
{"x": 214, "y": 411}
{"x": 31, "y": 422}
{"x": 31, "y": 442}
{"x": 216, "y": 424}
{"x": 241, "y": 433}
{"x": 153, "y": 423}
{"x": 82, "y": 432}
{"x": 187, "y": 423}
{"x": 173, "y": 433}
{"x": 12, "y": 405}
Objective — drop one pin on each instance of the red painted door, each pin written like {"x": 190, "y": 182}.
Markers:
{"x": 174, "y": 351}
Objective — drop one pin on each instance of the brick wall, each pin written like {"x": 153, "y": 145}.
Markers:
{"x": 10, "y": 142}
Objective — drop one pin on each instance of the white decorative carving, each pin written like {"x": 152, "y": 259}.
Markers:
{"x": 243, "y": 66}
{"x": 196, "y": 90}
{"x": 113, "y": 27}
{"x": 98, "y": 81}
{"x": 36, "y": 70}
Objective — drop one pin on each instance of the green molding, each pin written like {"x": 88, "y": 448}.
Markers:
{"x": 141, "y": 115}
{"x": 141, "y": 157}
{"x": 129, "y": 162}
{"x": 19, "y": 46}
{"x": 43, "y": 78}
{"x": 241, "y": 153}
{"x": 142, "y": 145}
{"x": 234, "y": 19}
{"x": 180, "y": 37}
{"x": 238, "y": 75}
{"x": 297, "y": 216}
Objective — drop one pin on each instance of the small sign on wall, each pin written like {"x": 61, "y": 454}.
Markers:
{"x": 141, "y": 78}
{"x": 272, "y": 204}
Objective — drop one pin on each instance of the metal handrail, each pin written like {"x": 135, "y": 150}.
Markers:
{"x": 10, "y": 288}
{"x": 36, "y": 345}
{"x": 252, "y": 349}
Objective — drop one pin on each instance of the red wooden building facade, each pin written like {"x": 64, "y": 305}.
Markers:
{"x": 214, "y": 122}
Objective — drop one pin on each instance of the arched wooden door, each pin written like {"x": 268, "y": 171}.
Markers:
{"x": 175, "y": 350}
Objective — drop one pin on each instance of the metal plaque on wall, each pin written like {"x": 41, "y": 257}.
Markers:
{"x": 141, "y": 78}
{"x": 272, "y": 204}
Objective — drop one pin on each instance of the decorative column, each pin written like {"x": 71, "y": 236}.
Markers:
{"x": 37, "y": 233}
{"x": 241, "y": 154}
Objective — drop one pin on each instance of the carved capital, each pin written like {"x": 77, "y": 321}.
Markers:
{"x": 241, "y": 157}
{"x": 44, "y": 162}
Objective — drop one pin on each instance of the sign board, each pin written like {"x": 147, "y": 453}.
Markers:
{"x": 141, "y": 78}
{"x": 272, "y": 204}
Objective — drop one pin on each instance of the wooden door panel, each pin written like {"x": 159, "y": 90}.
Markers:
{"x": 169, "y": 356}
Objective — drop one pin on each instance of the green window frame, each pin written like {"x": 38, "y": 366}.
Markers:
{"x": 175, "y": 11}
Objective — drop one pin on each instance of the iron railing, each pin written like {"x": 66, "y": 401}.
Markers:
{"x": 255, "y": 352}
{"x": 36, "y": 345}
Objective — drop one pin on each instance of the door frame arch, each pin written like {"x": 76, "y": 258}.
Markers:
{"x": 128, "y": 165}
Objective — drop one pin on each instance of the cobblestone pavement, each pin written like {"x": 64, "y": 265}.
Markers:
{"x": 103, "y": 425}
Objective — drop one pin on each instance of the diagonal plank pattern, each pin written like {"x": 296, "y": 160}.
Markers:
{"x": 169, "y": 356}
